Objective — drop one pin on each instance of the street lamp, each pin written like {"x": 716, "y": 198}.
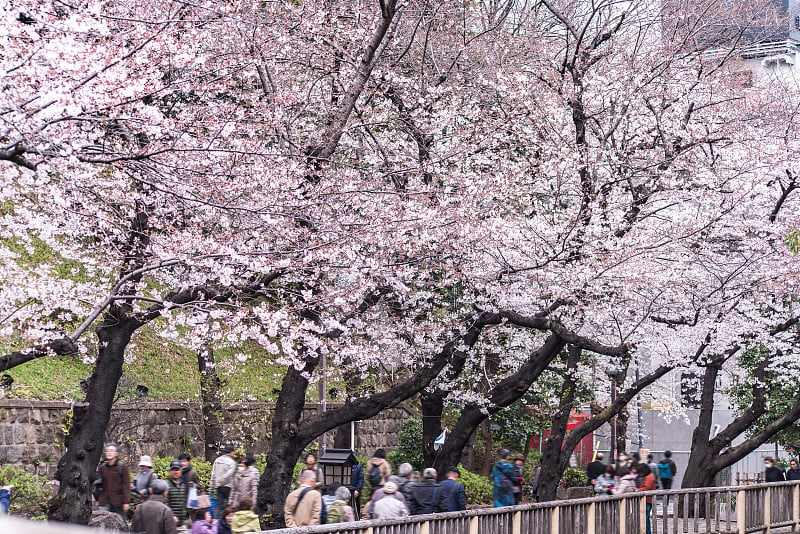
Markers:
{"x": 613, "y": 372}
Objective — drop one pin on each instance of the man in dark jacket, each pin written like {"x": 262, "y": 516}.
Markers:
{"x": 357, "y": 483}
{"x": 772, "y": 473}
{"x": 793, "y": 473}
{"x": 153, "y": 516}
{"x": 427, "y": 497}
{"x": 176, "y": 498}
{"x": 456, "y": 497}
{"x": 115, "y": 479}
{"x": 595, "y": 469}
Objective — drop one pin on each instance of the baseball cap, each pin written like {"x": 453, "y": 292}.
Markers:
{"x": 175, "y": 464}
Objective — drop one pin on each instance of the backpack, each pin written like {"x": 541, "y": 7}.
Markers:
{"x": 664, "y": 470}
{"x": 375, "y": 476}
{"x": 335, "y": 513}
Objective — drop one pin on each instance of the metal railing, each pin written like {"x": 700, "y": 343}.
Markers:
{"x": 758, "y": 50}
{"x": 724, "y": 510}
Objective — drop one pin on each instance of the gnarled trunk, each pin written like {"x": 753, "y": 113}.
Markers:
{"x": 211, "y": 405}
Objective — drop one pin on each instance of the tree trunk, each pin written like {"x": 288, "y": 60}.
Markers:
{"x": 550, "y": 475}
{"x": 488, "y": 448}
{"x": 84, "y": 442}
{"x": 622, "y": 430}
{"x": 503, "y": 394}
{"x": 432, "y": 408}
{"x": 209, "y": 395}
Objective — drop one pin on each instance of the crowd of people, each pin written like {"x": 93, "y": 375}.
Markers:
{"x": 179, "y": 502}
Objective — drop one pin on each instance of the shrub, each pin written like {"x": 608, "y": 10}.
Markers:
{"x": 409, "y": 448}
{"x": 573, "y": 478}
{"x": 31, "y": 492}
{"x": 161, "y": 468}
{"x": 479, "y": 489}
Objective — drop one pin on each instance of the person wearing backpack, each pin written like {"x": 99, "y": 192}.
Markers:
{"x": 303, "y": 506}
{"x": 113, "y": 483}
{"x": 378, "y": 469}
{"x": 340, "y": 511}
{"x": 428, "y": 497}
{"x": 144, "y": 479}
{"x": 667, "y": 470}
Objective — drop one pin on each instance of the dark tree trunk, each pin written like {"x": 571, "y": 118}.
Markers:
{"x": 432, "y": 408}
{"x": 488, "y": 448}
{"x": 622, "y": 430}
{"x": 501, "y": 396}
{"x": 548, "y": 483}
{"x": 550, "y": 475}
{"x": 84, "y": 443}
{"x": 209, "y": 395}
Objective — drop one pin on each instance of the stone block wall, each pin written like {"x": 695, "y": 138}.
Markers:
{"x": 32, "y": 432}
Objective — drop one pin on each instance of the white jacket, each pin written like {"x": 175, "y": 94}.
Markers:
{"x": 223, "y": 471}
{"x": 388, "y": 508}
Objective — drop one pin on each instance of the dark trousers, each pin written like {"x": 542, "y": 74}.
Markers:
{"x": 355, "y": 502}
{"x": 223, "y": 492}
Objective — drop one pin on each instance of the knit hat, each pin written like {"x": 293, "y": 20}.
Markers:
{"x": 504, "y": 453}
{"x": 146, "y": 461}
{"x": 389, "y": 487}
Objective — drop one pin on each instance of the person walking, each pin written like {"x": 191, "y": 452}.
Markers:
{"x": 606, "y": 482}
{"x": 627, "y": 482}
{"x": 191, "y": 481}
{"x": 153, "y": 516}
{"x": 651, "y": 463}
{"x": 793, "y": 473}
{"x": 389, "y": 506}
{"x": 244, "y": 520}
{"x": 667, "y": 470}
{"x": 772, "y": 473}
{"x": 114, "y": 478}
{"x": 519, "y": 480}
{"x": 245, "y": 482}
{"x": 311, "y": 465}
{"x": 595, "y": 468}
{"x": 222, "y": 473}
{"x": 648, "y": 484}
{"x": 378, "y": 469}
{"x": 176, "y": 498}
{"x": 405, "y": 473}
{"x": 378, "y": 495}
{"x": 144, "y": 478}
{"x": 204, "y": 524}
{"x": 357, "y": 483}
{"x": 456, "y": 496}
{"x": 303, "y": 506}
{"x": 502, "y": 476}
{"x": 427, "y": 497}
{"x": 339, "y": 511}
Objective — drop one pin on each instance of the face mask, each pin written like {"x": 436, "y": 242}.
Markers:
{"x": 241, "y": 468}
{"x": 767, "y": 465}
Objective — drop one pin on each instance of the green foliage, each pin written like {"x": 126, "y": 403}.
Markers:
{"x": 573, "y": 478}
{"x": 792, "y": 241}
{"x": 36, "y": 252}
{"x": 409, "y": 448}
{"x": 781, "y": 394}
{"x": 161, "y": 468}
{"x": 30, "y": 494}
{"x": 478, "y": 488}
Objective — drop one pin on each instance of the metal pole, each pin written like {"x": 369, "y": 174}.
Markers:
{"x": 639, "y": 416}
{"x": 614, "y": 425}
{"x": 323, "y": 394}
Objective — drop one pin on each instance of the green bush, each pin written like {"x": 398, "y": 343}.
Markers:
{"x": 573, "y": 478}
{"x": 409, "y": 448}
{"x": 161, "y": 468}
{"x": 31, "y": 492}
{"x": 479, "y": 489}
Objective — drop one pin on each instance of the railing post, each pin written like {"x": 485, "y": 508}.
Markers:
{"x": 767, "y": 509}
{"x": 425, "y": 528}
{"x": 741, "y": 512}
{"x": 555, "y": 515}
{"x": 623, "y": 516}
{"x": 642, "y": 515}
{"x": 367, "y": 531}
{"x": 591, "y": 518}
{"x": 516, "y": 523}
{"x": 473, "y": 525}
{"x": 795, "y": 507}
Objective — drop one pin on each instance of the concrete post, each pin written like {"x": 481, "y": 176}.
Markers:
{"x": 591, "y": 519}
{"x": 425, "y": 528}
{"x": 642, "y": 515}
{"x": 623, "y": 516}
{"x": 795, "y": 507}
{"x": 555, "y": 516}
{"x": 516, "y": 523}
{"x": 473, "y": 525}
{"x": 767, "y": 509}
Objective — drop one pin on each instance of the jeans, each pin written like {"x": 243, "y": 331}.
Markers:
{"x": 116, "y": 509}
{"x": 223, "y": 492}
{"x": 648, "y": 511}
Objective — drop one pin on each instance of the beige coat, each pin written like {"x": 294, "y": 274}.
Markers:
{"x": 308, "y": 511}
{"x": 383, "y": 465}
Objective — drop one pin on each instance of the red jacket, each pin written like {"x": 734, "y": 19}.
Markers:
{"x": 648, "y": 484}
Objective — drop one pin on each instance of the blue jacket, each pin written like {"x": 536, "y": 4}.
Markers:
{"x": 456, "y": 496}
{"x": 357, "y": 477}
{"x": 5, "y": 501}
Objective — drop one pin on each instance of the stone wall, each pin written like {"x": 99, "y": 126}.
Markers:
{"x": 32, "y": 432}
